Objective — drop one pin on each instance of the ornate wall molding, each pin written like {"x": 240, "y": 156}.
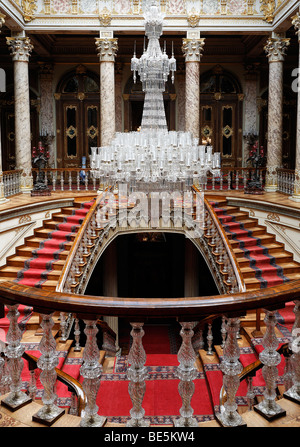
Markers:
{"x": 268, "y": 8}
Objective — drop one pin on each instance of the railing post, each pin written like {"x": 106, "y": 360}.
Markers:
{"x": 268, "y": 408}
{"x": 231, "y": 368}
{"x": 48, "y": 361}
{"x": 186, "y": 372}
{"x": 91, "y": 372}
{"x": 14, "y": 351}
{"x": 294, "y": 392}
{"x": 137, "y": 373}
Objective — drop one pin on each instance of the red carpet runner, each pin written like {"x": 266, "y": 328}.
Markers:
{"x": 266, "y": 271}
{"x": 36, "y": 269}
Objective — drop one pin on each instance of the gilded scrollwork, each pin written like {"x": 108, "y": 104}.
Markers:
{"x": 268, "y": 8}
{"x": 29, "y": 8}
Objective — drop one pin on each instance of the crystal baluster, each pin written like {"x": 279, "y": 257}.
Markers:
{"x": 63, "y": 324}
{"x": 137, "y": 373}
{"x": 231, "y": 368}
{"x": 78, "y": 180}
{"x": 91, "y": 372}
{"x": 77, "y": 347}
{"x": 48, "y": 361}
{"x": 186, "y": 372}
{"x": 32, "y": 388}
{"x": 270, "y": 359}
{"x": 73, "y": 406}
{"x": 210, "y": 339}
{"x": 70, "y": 180}
{"x": 223, "y": 331}
{"x": 294, "y": 392}
{"x": 14, "y": 351}
{"x": 62, "y": 180}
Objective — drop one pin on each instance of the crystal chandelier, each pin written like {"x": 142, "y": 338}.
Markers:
{"x": 154, "y": 158}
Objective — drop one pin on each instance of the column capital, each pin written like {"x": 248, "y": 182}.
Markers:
{"x": 192, "y": 49}
{"x": 276, "y": 48}
{"x": 296, "y": 23}
{"x": 20, "y": 48}
{"x": 2, "y": 20}
{"x": 107, "y": 48}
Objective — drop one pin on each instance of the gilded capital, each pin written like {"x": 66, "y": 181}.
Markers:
{"x": 192, "y": 49}
{"x": 296, "y": 23}
{"x": 20, "y": 48}
{"x": 107, "y": 49}
{"x": 276, "y": 48}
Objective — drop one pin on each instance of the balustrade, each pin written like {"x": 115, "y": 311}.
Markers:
{"x": 285, "y": 181}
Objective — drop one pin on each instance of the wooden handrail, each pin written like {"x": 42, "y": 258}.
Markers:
{"x": 75, "y": 245}
{"x": 140, "y": 309}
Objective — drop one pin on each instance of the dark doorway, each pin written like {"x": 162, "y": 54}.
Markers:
{"x": 144, "y": 265}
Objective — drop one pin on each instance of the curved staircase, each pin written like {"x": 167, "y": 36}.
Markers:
{"x": 237, "y": 224}
{"x": 264, "y": 262}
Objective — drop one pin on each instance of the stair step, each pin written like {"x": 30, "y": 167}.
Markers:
{"x": 26, "y": 251}
{"x": 288, "y": 267}
{"x": 18, "y": 261}
{"x": 11, "y": 271}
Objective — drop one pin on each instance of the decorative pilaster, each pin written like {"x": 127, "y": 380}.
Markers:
{"x": 270, "y": 358}
{"x": 46, "y": 113}
{"x": 275, "y": 49}
{"x": 2, "y": 197}
{"x": 20, "y": 48}
{"x": 107, "y": 49}
{"x": 192, "y": 49}
{"x": 296, "y": 194}
{"x": 48, "y": 361}
{"x": 186, "y": 372}
{"x": 137, "y": 373}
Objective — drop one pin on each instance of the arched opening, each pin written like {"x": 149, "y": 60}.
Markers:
{"x": 134, "y": 102}
{"x": 156, "y": 264}
{"x": 222, "y": 114}
{"x": 77, "y": 116}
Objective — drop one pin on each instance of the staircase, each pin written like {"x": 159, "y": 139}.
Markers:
{"x": 40, "y": 260}
{"x": 263, "y": 261}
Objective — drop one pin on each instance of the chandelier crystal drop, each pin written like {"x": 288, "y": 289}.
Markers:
{"x": 154, "y": 158}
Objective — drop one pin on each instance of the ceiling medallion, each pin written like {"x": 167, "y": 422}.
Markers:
{"x": 105, "y": 17}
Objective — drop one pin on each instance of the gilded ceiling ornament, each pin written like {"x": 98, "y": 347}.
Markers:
{"x": 268, "y": 9}
{"x": 2, "y": 20}
{"x": 296, "y": 23}
{"x": 20, "y": 48}
{"x": 29, "y": 8}
{"x": 105, "y": 17}
{"x": 193, "y": 18}
{"x": 276, "y": 48}
{"x": 192, "y": 49}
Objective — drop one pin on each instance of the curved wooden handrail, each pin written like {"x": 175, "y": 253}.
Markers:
{"x": 140, "y": 309}
{"x": 227, "y": 245}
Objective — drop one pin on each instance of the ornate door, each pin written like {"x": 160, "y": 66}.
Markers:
{"x": 221, "y": 115}
{"x": 77, "y": 125}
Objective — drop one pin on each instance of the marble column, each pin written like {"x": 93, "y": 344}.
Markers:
{"x": 20, "y": 48}
{"x": 192, "y": 49}
{"x": 46, "y": 111}
{"x": 2, "y": 197}
{"x": 275, "y": 49}
{"x": 107, "y": 49}
{"x": 296, "y": 194}
{"x": 118, "y": 97}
